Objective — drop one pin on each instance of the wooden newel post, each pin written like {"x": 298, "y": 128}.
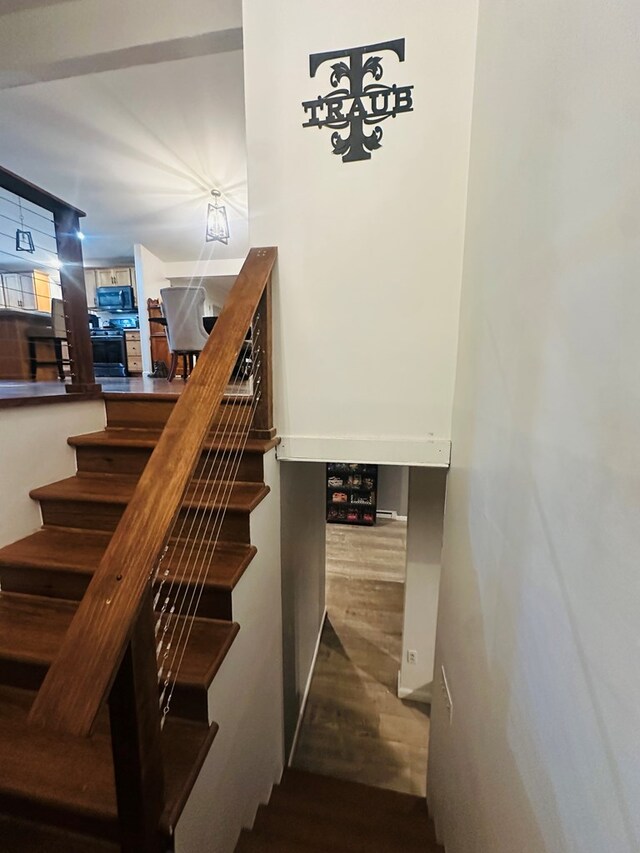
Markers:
{"x": 263, "y": 419}
{"x": 136, "y": 739}
{"x": 67, "y": 225}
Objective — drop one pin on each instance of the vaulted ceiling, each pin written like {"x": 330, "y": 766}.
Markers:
{"x": 137, "y": 127}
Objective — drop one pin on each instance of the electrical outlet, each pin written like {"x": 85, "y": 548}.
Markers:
{"x": 446, "y": 693}
{"x": 412, "y": 656}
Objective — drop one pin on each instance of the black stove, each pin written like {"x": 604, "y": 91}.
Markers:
{"x": 108, "y": 352}
{"x": 107, "y": 333}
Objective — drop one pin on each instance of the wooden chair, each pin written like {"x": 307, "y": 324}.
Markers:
{"x": 55, "y": 334}
{"x": 183, "y": 308}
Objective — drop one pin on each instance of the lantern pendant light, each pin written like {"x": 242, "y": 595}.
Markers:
{"x": 217, "y": 223}
{"x": 24, "y": 239}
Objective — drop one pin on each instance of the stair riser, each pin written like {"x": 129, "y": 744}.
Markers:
{"x": 132, "y": 460}
{"x": 154, "y": 414}
{"x": 214, "y": 603}
{"x": 98, "y": 516}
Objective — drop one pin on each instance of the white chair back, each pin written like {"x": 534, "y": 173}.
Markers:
{"x": 183, "y": 308}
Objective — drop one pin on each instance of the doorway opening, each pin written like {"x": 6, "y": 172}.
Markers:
{"x": 356, "y": 726}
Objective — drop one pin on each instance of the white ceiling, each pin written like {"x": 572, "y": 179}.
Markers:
{"x": 138, "y": 148}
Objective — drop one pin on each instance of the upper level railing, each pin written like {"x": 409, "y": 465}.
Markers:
{"x": 109, "y": 651}
{"x": 64, "y": 245}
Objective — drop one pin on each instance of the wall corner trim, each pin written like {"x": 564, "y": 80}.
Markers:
{"x": 307, "y": 688}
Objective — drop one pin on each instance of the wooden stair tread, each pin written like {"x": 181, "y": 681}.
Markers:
{"x": 313, "y": 813}
{"x": 256, "y": 841}
{"x": 18, "y": 835}
{"x": 321, "y": 787}
{"x": 148, "y": 438}
{"x": 50, "y": 776}
{"x": 32, "y": 629}
{"x": 118, "y": 489}
{"x": 80, "y": 551}
{"x": 412, "y": 825}
{"x": 343, "y": 835}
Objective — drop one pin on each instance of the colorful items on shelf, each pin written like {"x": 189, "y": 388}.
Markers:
{"x": 351, "y": 493}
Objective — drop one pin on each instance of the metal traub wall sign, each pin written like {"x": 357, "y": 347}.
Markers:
{"x": 356, "y": 103}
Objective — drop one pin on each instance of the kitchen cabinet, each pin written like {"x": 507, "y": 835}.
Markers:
{"x": 42, "y": 290}
{"x": 120, "y": 277}
{"x": 18, "y": 291}
{"x": 133, "y": 352}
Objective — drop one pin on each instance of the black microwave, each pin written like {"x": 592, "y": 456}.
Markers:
{"x": 115, "y": 298}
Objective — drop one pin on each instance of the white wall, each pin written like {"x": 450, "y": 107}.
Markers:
{"x": 422, "y": 582}
{"x": 150, "y": 278}
{"x": 393, "y": 488}
{"x": 245, "y": 699}
{"x": 367, "y": 295}
{"x": 303, "y": 508}
{"x": 538, "y": 624}
{"x": 29, "y": 433}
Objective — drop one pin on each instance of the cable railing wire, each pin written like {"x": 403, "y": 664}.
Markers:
{"x": 179, "y": 535}
{"x": 206, "y": 478}
{"x": 206, "y": 484}
{"x": 217, "y": 513}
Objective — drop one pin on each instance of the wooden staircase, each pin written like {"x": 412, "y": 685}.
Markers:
{"x": 57, "y": 791}
{"x": 308, "y": 812}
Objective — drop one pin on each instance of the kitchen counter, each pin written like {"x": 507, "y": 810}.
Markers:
{"x": 15, "y": 325}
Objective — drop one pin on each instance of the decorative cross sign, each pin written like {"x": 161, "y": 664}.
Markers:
{"x": 357, "y": 104}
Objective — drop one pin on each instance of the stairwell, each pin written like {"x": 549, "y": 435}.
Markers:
{"x": 309, "y": 812}
{"x": 57, "y": 792}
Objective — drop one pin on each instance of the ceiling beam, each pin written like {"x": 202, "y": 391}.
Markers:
{"x": 206, "y": 44}
{"x": 67, "y": 39}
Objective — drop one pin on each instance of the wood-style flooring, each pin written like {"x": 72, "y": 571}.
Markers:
{"x": 355, "y": 727}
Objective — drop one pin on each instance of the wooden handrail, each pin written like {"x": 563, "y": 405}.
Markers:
{"x": 80, "y": 678}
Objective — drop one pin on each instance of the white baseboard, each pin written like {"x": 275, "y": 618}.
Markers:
{"x": 422, "y": 694}
{"x": 305, "y": 696}
{"x": 387, "y": 513}
{"x": 390, "y": 513}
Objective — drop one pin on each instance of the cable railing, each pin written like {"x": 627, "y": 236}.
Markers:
{"x": 127, "y": 641}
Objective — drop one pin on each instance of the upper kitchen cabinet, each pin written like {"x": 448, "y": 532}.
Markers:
{"x": 18, "y": 290}
{"x": 120, "y": 277}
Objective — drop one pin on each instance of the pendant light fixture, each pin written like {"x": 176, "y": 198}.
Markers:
{"x": 217, "y": 223}
{"x": 24, "y": 239}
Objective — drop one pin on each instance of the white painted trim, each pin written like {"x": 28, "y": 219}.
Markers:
{"x": 423, "y": 694}
{"x": 432, "y": 453}
{"x": 305, "y": 695}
